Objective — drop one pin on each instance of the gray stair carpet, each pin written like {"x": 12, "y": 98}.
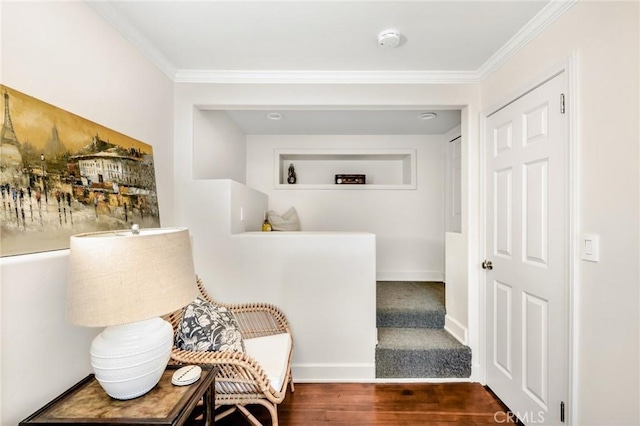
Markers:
{"x": 412, "y": 342}
{"x": 410, "y": 304}
{"x": 420, "y": 353}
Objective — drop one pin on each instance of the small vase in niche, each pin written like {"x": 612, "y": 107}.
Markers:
{"x": 292, "y": 175}
{"x": 266, "y": 226}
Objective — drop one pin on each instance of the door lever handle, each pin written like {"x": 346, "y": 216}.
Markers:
{"x": 487, "y": 265}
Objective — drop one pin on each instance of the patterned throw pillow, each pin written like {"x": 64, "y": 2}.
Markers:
{"x": 205, "y": 327}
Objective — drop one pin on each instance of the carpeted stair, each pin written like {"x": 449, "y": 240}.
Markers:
{"x": 412, "y": 342}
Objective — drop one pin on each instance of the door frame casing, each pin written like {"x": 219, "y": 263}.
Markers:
{"x": 568, "y": 68}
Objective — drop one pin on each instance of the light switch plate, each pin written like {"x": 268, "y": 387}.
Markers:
{"x": 590, "y": 247}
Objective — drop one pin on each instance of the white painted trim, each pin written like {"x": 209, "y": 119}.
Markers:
{"x": 437, "y": 276}
{"x": 423, "y": 380}
{"x": 106, "y": 10}
{"x": 470, "y": 229}
{"x": 550, "y": 73}
{"x": 482, "y": 236}
{"x": 334, "y": 187}
{"x": 325, "y": 77}
{"x": 354, "y": 373}
{"x": 333, "y": 372}
{"x": 552, "y": 11}
{"x": 572, "y": 101}
{"x": 281, "y": 157}
{"x": 384, "y": 380}
{"x": 456, "y": 329}
{"x": 1, "y": 328}
{"x": 32, "y": 257}
{"x": 569, "y": 67}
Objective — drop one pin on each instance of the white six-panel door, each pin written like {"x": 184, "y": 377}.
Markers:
{"x": 526, "y": 243}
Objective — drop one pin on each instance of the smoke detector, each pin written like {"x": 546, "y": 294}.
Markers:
{"x": 389, "y": 38}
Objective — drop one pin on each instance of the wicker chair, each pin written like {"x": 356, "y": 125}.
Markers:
{"x": 241, "y": 380}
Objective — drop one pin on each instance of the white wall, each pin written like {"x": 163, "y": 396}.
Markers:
{"x": 218, "y": 147}
{"x": 452, "y": 179}
{"x": 409, "y": 224}
{"x": 456, "y": 276}
{"x": 92, "y": 72}
{"x": 212, "y": 96}
{"x": 63, "y": 53}
{"x": 233, "y": 266}
{"x": 606, "y": 36}
{"x": 456, "y": 294}
{"x": 325, "y": 284}
{"x": 248, "y": 207}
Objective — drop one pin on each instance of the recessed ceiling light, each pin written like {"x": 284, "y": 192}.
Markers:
{"x": 428, "y": 115}
{"x": 275, "y": 116}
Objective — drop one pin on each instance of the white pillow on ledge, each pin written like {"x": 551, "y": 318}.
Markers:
{"x": 288, "y": 221}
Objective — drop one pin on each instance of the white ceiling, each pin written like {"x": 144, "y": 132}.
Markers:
{"x": 330, "y": 41}
{"x": 326, "y": 35}
{"x": 209, "y": 40}
{"x": 345, "y": 122}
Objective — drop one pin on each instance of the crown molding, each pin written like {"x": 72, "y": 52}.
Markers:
{"x": 325, "y": 77}
{"x": 133, "y": 36}
{"x": 552, "y": 11}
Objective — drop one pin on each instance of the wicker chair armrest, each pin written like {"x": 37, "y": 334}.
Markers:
{"x": 243, "y": 366}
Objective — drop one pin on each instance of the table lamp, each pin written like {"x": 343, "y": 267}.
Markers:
{"x": 124, "y": 280}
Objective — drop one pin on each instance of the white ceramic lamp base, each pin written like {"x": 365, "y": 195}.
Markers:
{"x": 128, "y": 360}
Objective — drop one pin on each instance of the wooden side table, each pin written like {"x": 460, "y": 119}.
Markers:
{"x": 86, "y": 403}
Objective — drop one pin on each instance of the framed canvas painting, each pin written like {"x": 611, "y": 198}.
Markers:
{"x": 61, "y": 175}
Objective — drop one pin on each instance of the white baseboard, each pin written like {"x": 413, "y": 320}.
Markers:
{"x": 354, "y": 373}
{"x": 476, "y": 375}
{"x": 456, "y": 329}
{"x": 334, "y": 373}
{"x": 426, "y": 380}
{"x": 410, "y": 276}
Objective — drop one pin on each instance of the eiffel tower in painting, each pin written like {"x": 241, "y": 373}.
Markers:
{"x": 10, "y": 156}
{"x": 8, "y": 134}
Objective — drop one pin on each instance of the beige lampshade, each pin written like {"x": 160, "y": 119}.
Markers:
{"x": 117, "y": 277}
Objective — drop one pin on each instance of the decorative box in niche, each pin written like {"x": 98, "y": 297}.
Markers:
{"x": 344, "y": 179}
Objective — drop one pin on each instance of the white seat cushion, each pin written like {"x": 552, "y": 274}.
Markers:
{"x": 272, "y": 353}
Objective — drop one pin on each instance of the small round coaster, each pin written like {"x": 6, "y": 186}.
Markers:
{"x": 186, "y": 375}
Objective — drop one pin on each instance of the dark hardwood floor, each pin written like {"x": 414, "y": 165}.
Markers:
{"x": 364, "y": 404}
